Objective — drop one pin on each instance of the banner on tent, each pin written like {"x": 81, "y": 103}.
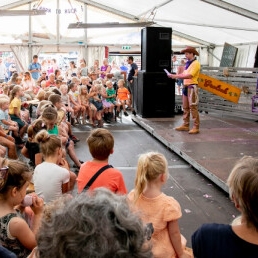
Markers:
{"x": 220, "y": 88}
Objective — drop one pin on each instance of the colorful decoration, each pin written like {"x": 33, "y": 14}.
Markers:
{"x": 220, "y": 88}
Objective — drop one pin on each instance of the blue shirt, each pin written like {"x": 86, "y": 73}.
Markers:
{"x": 132, "y": 71}
{"x": 124, "y": 68}
{"x": 32, "y": 66}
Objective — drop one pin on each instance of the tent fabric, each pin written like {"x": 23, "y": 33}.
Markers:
{"x": 21, "y": 54}
{"x": 194, "y": 22}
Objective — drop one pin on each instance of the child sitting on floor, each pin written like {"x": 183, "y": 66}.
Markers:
{"x": 65, "y": 98}
{"x": 108, "y": 107}
{"x": 56, "y": 100}
{"x": 95, "y": 99}
{"x": 6, "y": 122}
{"x": 84, "y": 98}
{"x": 49, "y": 116}
{"x": 15, "y": 109}
{"x": 75, "y": 102}
{"x": 101, "y": 145}
{"x": 50, "y": 180}
{"x": 157, "y": 208}
{"x": 31, "y": 149}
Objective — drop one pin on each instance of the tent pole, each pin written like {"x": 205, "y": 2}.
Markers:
{"x": 57, "y": 26}
{"x": 85, "y": 54}
{"x": 30, "y": 39}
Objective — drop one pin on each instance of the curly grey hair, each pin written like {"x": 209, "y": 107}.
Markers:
{"x": 96, "y": 224}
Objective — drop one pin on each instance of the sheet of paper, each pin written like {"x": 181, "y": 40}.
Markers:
{"x": 166, "y": 71}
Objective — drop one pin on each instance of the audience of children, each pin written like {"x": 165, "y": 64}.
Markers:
{"x": 78, "y": 112}
{"x": 50, "y": 139}
{"x": 157, "y": 208}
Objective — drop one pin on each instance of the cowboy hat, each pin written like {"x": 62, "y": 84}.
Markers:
{"x": 190, "y": 50}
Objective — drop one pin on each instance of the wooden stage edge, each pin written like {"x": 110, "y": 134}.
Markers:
{"x": 214, "y": 151}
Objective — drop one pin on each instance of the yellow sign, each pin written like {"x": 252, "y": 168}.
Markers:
{"x": 217, "y": 87}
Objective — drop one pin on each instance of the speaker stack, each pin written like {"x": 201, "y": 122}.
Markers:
{"x": 154, "y": 92}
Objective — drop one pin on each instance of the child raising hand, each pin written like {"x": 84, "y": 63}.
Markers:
{"x": 157, "y": 208}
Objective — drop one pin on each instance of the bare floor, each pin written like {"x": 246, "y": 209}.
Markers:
{"x": 201, "y": 201}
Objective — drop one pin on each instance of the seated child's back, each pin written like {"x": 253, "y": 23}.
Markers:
{"x": 101, "y": 144}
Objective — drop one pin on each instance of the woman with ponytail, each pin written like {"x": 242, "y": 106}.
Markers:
{"x": 157, "y": 208}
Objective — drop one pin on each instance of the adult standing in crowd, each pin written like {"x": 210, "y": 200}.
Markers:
{"x": 35, "y": 68}
{"x": 190, "y": 91}
{"x": 132, "y": 72}
{"x": 3, "y": 71}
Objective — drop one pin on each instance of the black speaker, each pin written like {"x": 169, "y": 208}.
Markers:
{"x": 154, "y": 95}
{"x": 156, "y": 49}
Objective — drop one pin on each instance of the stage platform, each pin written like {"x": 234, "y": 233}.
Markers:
{"x": 214, "y": 151}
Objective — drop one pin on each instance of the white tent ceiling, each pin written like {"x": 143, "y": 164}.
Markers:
{"x": 197, "y": 22}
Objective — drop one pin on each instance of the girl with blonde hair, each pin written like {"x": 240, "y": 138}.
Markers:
{"x": 29, "y": 86}
{"x": 15, "y": 109}
{"x": 157, "y": 208}
{"x": 95, "y": 99}
{"x": 90, "y": 109}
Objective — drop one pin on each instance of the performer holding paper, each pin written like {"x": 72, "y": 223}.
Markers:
{"x": 190, "y": 91}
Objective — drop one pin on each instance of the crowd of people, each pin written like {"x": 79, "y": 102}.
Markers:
{"x": 93, "y": 105}
{"x": 88, "y": 95}
{"x": 103, "y": 219}
{"x": 40, "y": 215}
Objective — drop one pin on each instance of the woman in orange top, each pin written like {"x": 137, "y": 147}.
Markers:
{"x": 157, "y": 208}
